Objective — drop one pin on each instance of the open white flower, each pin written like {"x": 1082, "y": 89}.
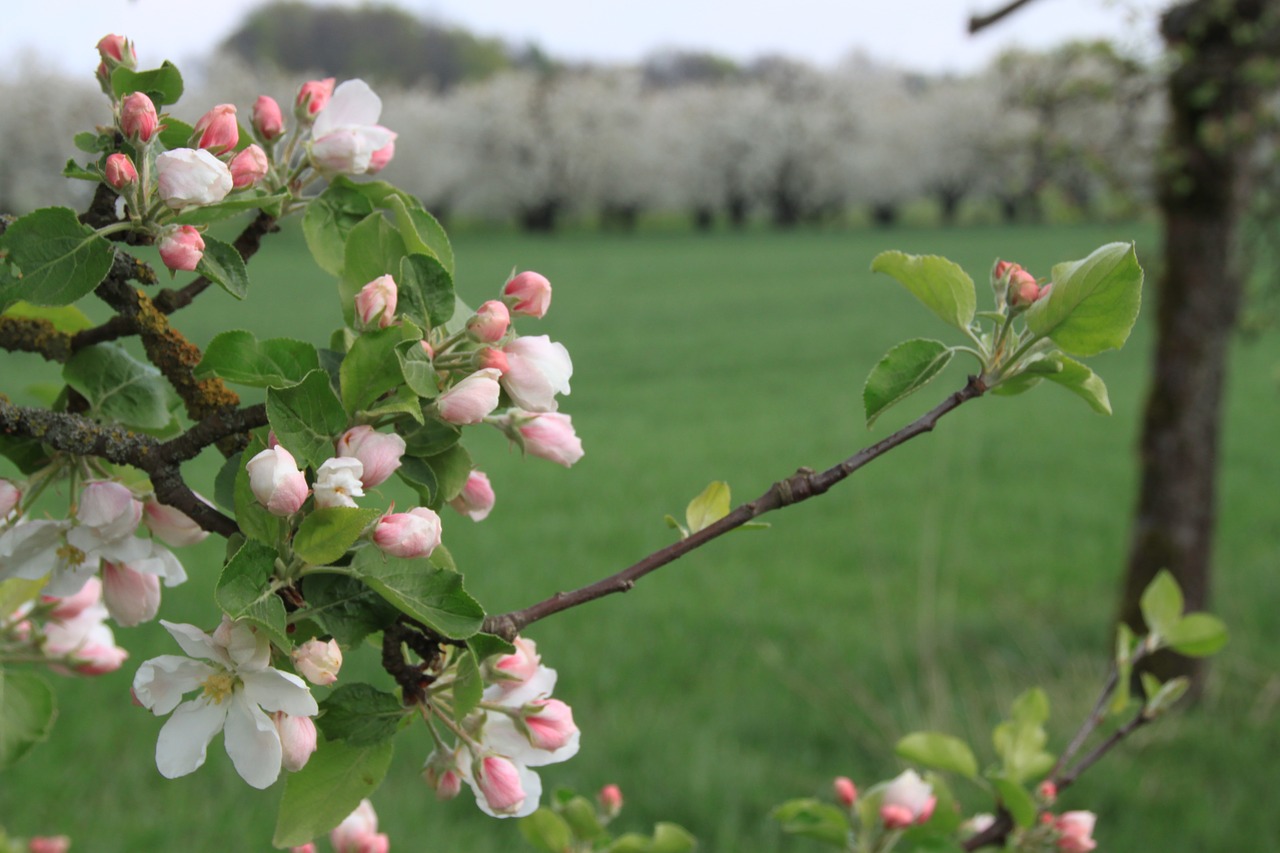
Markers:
{"x": 237, "y": 686}
{"x": 347, "y": 133}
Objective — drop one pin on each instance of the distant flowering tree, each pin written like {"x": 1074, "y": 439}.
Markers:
{"x": 317, "y": 563}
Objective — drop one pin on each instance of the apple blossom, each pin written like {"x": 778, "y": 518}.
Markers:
{"x": 309, "y": 847}
{"x": 908, "y": 799}
{"x": 116, "y": 51}
{"x": 120, "y": 171}
{"x": 537, "y": 369}
{"x": 472, "y": 399}
{"x": 132, "y": 597}
{"x": 411, "y": 534}
{"x": 1047, "y": 791}
{"x": 548, "y": 723}
{"x": 338, "y": 482}
{"x": 498, "y": 780}
{"x": 82, "y": 640}
{"x": 318, "y": 661}
{"x": 441, "y": 772}
{"x": 494, "y": 359}
{"x": 181, "y": 248}
{"x": 191, "y": 177}
{"x": 312, "y": 98}
{"x": 1076, "y": 831}
{"x": 610, "y": 799}
{"x": 71, "y": 606}
{"x": 173, "y": 526}
{"x": 358, "y": 832}
{"x": 138, "y": 118}
{"x": 528, "y": 293}
{"x": 549, "y": 436}
{"x": 516, "y": 669}
{"x": 378, "y": 452}
{"x": 248, "y": 167}
{"x": 377, "y": 301}
{"x": 489, "y": 323}
{"x": 276, "y": 482}
{"x": 217, "y": 131}
{"x": 49, "y": 844}
{"x": 268, "y": 120}
{"x": 346, "y": 132}
{"x": 10, "y": 497}
{"x": 297, "y": 740}
{"x": 476, "y": 498}
{"x": 846, "y": 791}
{"x": 380, "y": 158}
{"x": 238, "y": 686}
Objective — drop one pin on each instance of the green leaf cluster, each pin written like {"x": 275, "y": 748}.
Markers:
{"x": 573, "y": 823}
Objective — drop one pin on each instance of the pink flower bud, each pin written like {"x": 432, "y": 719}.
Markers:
{"x": 610, "y": 799}
{"x": 377, "y": 301}
{"x": 472, "y": 399}
{"x": 116, "y": 51}
{"x": 276, "y": 482}
{"x": 248, "y": 167}
{"x": 217, "y": 131}
{"x": 896, "y": 817}
{"x": 528, "y": 293}
{"x": 476, "y": 498}
{"x": 173, "y": 526}
{"x": 514, "y": 670}
{"x": 1023, "y": 289}
{"x": 494, "y": 359}
{"x": 120, "y": 171}
{"x": 441, "y": 773}
{"x": 71, "y": 606}
{"x": 297, "y": 740}
{"x": 181, "y": 248}
{"x": 551, "y": 437}
{"x": 138, "y": 119}
{"x": 312, "y": 98}
{"x": 549, "y": 724}
{"x": 192, "y": 177}
{"x": 846, "y": 791}
{"x": 1047, "y": 791}
{"x": 49, "y": 844}
{"x": 499, "y": 783}
{"x": 908, "y": 799}
{"x": 1076, "y": 831}
{"x": 427, "y": 348}
{"x": 132, "y": 597}
{"x": 338, "y": 482}
{"x": 378, "y": 452}
{"x": 489, "y": 323}
{"x": 268, "y": 121}
{"x": 358, "y": 832}
{"x": 537, "y": 369}
{"x": 318, "y": 661}
{"x": 109, "y": 508}
{"x": 411, "y": 534}
{"x": 10, "y": 497}
{"x": 309, "y": 847}
{"x": 380, "y": 158}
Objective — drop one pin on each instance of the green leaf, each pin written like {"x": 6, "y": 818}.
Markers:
{"x": 432, "y": 438}
{"x": 1125, "y": 643}
{"x": 905, "y": 369}
{"x": 345, "y": 607}
{"x": 244, "y": 590}
{"x": 1031, "y": 707}
{"x": 27, "y": 454}
{"x": 709, "y": 507}
{"x": 671, "y": 838}
{"x": 1083, "y": 382}
{"x": 211, "y": 213}
{"x": 939, "y": 751}
{"x": 426, "y": 291}
{"x": 1020, "y": 741}
{"x": 451, "y": 469}
{"x": 224, "y": 483}
{"x": 162, "y": 85}
{"x": 421, "y": 232}
{"x": 320, "y": 795}
{"x": 52, "y": 258}
{"x": 1093, "y": 303}
{"x": 468, "y": 689}
{"x": 361, "y": 715}
{"x": 1161, "y": 603}
{"x": 547, "y": 831}
{"x": 814, "y": 819}
{"x": 64, "y": 318}
{"x": 28, "y": 708}
{"x": 582, "y": 818}
{"x": 374, "y": 248}
{"x": 175, "y": 134}
{"x": 222, "y": 265}
{"x": 239, "y": 357}
{"x": 632, "y": 842}
{"x": 307, "y": 418}
{"x": 418, "y": 474}
{"x": 416, "y": 367}
{"x": 402, "y": 401}
{"x": 946, "y": 813}
{"x": 943, "y": 287}
{"x": 371, "y": 367}
{"x": 326, "y": 533}
{"x": 119, "y": 387}
{"x": 485, "y": 646}
{"x": 329, "y": 220}
{"x": 1197, "y": 635}
{"x": 1162, "y": 697}
{"x": 1017, "y": 800}
{"x": 432, "y": 596}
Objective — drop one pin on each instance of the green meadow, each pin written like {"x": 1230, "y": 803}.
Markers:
{"x": 925, "y": 592}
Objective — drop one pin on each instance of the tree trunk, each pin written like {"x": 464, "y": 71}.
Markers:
{"x": 1203, "y": 194}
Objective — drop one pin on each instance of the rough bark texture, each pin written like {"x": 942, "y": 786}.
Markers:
{"x": 1204, "y": 186}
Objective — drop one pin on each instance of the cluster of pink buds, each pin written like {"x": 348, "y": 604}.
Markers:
{"x": 1073, "y": 831}
{"x": 76, "y": 637}
{"x": 358, "y": 833}
{"x": 1022, "y": 287}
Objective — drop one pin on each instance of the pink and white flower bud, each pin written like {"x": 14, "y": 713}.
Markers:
{"x": 276, "y": 482}
{"x": 192, "y": 177}
{"x": 489, "y": 323}
{"x": 471, "y": 400}
{"x": 116, "y": 51}
{"x": 49, "y": 844}
{"x": 499, "y": 783}
{"x": 380, "y": 158}
{"x": 248, "y": 167}
{"x": 377, "y": 301}
{"x": 10, "y": 497}
{"x": 411, "y": 534}
{"x": 1076, "y": 831}
{"x": 120, "y": 171}
{"x": 312, "y": 98}
{"x": 181, "y": 248}
{"x": 528, "y": 293}
{"x": 1047, "y": 791}
{"x": 493, "y": 359}
{"x": 846, "y": 792}
{"x": 338, "y": 482}
{"x": 378, "y": 452}
{"x": 138, "y": 118}
{"x": 173, "y": 526}
{"x": 346, "y": 132}
{"x": 109, "y": 508}
{"x": 537, "y": 369}
{"x": 318, "y": 661}
{"x": 441, "y": 773}
{"x": 427, "y": 348}
{"x": 907, "y": 800}
{"x": 358, "y": 832}
{"x": 297, "y": 740}
{"x": 476, "y": 498}
{"x": 217, "y": 130}
{"x": 309, "y": 847}
{"x": 551, "y": 437}
{"x": 514, "y": 670}
{"x": 610, "y": 799}
{"x": 132, "y": 597}
{"x": 71, "y": 606}
{"x": 548, "y": 723}
{"x": 268, "y": 120}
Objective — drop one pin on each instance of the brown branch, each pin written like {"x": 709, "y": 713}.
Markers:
{"x": 993, "y": 835}
{"x": 801, "y": 486}
{"x": 1069, "y": 778}
{"x": 27, "y": 334}
{"x": 977, "y": 23}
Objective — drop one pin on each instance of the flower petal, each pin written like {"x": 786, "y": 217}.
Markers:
{"x": 274, "y": 690}
{"x": 160, "y": 682}
{"x": 353, "y": 104}
{"x": 249, "y": 650}
{"x": 195, "y": 642}
{"x": 502, "y": 736}
{"x": 530, "y": 782}
{"x": 29, "y": 549}
{"x": 184, "y": 740}
{"x": 253, "y": 742}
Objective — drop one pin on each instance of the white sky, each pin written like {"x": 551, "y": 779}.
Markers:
{"x": 928, "y": 35}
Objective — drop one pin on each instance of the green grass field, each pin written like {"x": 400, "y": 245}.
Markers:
{"x": 925, "y": 592}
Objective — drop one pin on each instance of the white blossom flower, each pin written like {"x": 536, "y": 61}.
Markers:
{"x": 338, "y": 482}
{"x": 237, "y": 685}
{"x": 347, "y": 133}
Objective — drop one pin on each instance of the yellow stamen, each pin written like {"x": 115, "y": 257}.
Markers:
{"x": 219, "y": 686}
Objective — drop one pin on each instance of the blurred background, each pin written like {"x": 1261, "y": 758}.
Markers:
{"x": 705, "y": 184}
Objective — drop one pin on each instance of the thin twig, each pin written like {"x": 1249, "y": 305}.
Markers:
{"x": 978, "y": 23}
